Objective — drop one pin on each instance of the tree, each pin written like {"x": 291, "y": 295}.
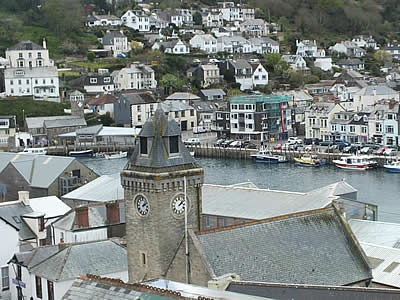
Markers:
{"x": 197, "y": 18}
{"x": 171, "y": 81}
{"x": 382, "y": 57}
{"x": 229, "y": 76}
{"x": 91, "y": 56}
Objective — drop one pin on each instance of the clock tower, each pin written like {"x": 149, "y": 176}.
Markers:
{"x": 154, "y": 182}
{"x": 77, "y": 100}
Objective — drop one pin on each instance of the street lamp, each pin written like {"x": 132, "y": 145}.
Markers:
{"x": 23, "y": 119}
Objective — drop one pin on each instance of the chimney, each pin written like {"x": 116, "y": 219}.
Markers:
{"x": 24, "y": 197}
{"x": 391, "y": 103}
{"x": 44, "y": 43}
{"x": 82, "y": 217}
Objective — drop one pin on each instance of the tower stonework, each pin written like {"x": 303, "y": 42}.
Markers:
{"x": 77, "y": 100}
{"x": 153, "y": 183}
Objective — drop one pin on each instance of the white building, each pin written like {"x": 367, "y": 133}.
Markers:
{"x": 103, "y": 20}
{"x": 31, "y": 72}
{"x": 116, "y": 42}
{"x": 49, "y": 272}
{"x": 137, "y": 76}
{"x": 324, "y": 63}
{"x": 260, "y": 75}
{"x": 23, "y": 225}
{"x": 233, "y": 44}
{"x": 175, "y": 46}
{"x": 307, "y": 48}
{"x": 204, "y": 42}
{"x": 136, "y": 19}
{"x": 370, "y": 95}
{"x": 184, "y": 114}
{"x": 212, "y": 19}
{"x": 264, "y": 45}
{"x": 296, "y": 62}
{"x": 254, "y": 28}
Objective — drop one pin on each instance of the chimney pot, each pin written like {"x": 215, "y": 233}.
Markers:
{"x": 24, "y": 197}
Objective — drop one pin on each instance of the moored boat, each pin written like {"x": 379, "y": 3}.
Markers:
{"x": 309, "y": 161}
{"x": 392, "y": 166}
{"x": 82, "y": 153}
{"x": 34, "y": 151}
{"x": 115, "y": 155}
{"x": 356, "y": 162}
{"x": 265, "y": 156}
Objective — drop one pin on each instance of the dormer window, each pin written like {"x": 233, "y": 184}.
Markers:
{"x": 143, "y": 145}
{"x": 173, "y": 144}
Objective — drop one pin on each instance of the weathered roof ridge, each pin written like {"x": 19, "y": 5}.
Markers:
{"x": 135, "y": 286}
{"x": 254, "y": 189}
{"x": 267, "y": 220}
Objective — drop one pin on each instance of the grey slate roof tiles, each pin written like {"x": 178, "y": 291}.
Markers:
{"x": 26, "y": 45}
{"x": 100, "y": 258}
{"x": 157, "y": 130}
{"x": 307, "y": 248}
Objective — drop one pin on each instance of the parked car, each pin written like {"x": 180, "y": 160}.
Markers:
{"x": 382, "y": 150}
{"x": 366, "y": 150}
{"x": 278, "y": 147}
{"x": 294, "y": 140}
{"x": 351, "y": 149}
{"x": 219, "y": 142}
{"x": 325, "y": 143}
{"x": 236, "y": 144}
{"x": 311, "y": 141}
{"x": 192, "y": 141}
{"x": 249, "y": 145}
{"x": 226, "y": 143}
{"x": 341, "y": 144}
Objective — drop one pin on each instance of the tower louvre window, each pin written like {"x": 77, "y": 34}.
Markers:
{"x": 173, "y": 144}
{"x": 143, "y": 145}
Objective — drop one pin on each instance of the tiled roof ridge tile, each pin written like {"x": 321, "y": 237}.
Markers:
{"x": 135, "y": 286}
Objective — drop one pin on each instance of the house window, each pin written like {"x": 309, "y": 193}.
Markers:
{"x": 93, "y": 80}
{"x": 192, "y": 112}
{"x": 5, "y": 280}
{"x": 11, "y": 82}
{"x": 50, "y": 290}
{"x": 143, "y": 145}
{"x": 27, "y": 81}
{"x": 390, "y": 117}
{"x": 19, "y": 55}
{"x": 378, "y": 127}
{"x": 182, "y": 113}
{"x": 36, "y": 81}
{"x": 206, "y": 221}
{"x": 176, "y": 114}
{"x": 363, "y": 129}
{"x": 38, "y": 282}
{"x": 352, "y": 128}
{"x": 139, "y": 118}
{"x": 143, "y": 257}
{"x": 389, "y": 129}
{"x": 107, "y": 79}
{"x": 173, "y": 144}
{"x": 39, "y": 55}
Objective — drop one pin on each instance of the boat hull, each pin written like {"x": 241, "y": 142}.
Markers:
{"x": 116, "y": 155}
{"x": 392, "y": 169}
{"x": 268, "y": 159}
{"x": 85, "y": 153}
{"x": 309, "y": 163}
{"x": 352, "y": 166}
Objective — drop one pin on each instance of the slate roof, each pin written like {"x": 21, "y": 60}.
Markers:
{"x": 219, "y": 200}
{"x": 52, "y": 121}
{"x": 102, "y": 189}
{"x": 374, "y": 232}
{"x": 385, "y": 263}
{"x": 99, "y": 257}
{"x": 173, "y": 105}
{"x": 314, "y": 247}
{"x": 26, "y": 45}
{"x": 108, "y": 38}
{"x": 378, "y": 89}
{"x": 90, "y": 130}
{"x": 312, "y": 292}
{"x": 103, "y": 99}
{"x": 213, "y": 92}
{"x": 349, "y": 62}
{"x": 38, "y": 170}
{"x": 137, "y": 98}
{"x": 11, "y": 212}
{"x": 182, "y": 96}
{"x": 240, "y": 64}
{"x": 158, "y": 159}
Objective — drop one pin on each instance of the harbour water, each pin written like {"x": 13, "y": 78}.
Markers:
{"x": 374, "y": 186}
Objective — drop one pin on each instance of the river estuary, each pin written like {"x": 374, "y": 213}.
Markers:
{"x": 374, "y": 186}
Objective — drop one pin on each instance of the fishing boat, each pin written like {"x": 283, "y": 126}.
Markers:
{"x": 82, "y": 153}
{"x": 392, "y": 166}
{"x": 34, "y": 151}
{"x": 356, "y": 162}
{"x": 115, "y": 155}
{"x": 265, "y": 156}
{"x": 309, "y": 161}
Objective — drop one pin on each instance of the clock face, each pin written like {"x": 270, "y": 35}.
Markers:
{"x": 178, "y": 205}
{"x": 142, "y": 205}
{"x": 80, "y": 104}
